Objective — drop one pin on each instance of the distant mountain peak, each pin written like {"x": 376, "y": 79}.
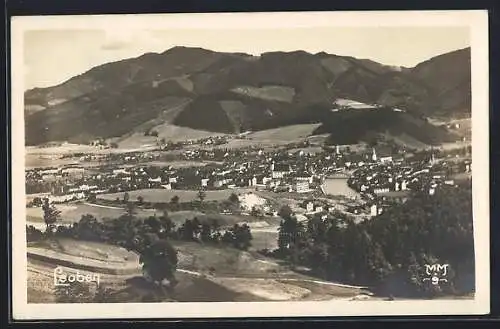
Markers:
{"x": 187, "y": 48}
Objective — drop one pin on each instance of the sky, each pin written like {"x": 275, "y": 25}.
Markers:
{"x": 53, "y": 56}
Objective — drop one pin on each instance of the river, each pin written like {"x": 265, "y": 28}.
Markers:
{"x": 338, "y": 186}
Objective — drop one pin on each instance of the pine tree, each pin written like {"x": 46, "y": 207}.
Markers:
{"x": 50, "y": 215}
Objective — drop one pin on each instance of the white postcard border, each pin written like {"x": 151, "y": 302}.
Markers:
{"x": 478, "y": 22}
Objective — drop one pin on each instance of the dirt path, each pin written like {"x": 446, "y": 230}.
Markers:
{"x": 195, "y": 273}
{"x": 101, "y": 206}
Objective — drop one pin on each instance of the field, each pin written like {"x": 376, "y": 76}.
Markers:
{"x": 278, "y": 93}
{"x": 169, "y": 132}
{"x": 205, "y": 273}
{"x": 39, "y": 161}
{"x": 40, "y": 157}
{"x": 64, "y": 148}
{"x": 406, "y": 140}
{"x": 72, "y": 212}
{"x": 271, "y": 138}
{"x": 288, "y": 133}
{"x": 178, "y": 164}
{"x": 307, "y": 150}
{"x": 163, "y": 195}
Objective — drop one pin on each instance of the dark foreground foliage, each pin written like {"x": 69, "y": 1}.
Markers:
{"x": 390, "y": 251}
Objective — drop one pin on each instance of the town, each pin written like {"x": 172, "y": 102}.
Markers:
{"x": 361, "y": 182}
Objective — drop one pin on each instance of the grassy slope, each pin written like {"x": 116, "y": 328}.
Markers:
{"x": 238, "y": 276}
{"x": 288, "y": 133}
{"x": 165, "y": 130}
{"x": 73, "y": 212}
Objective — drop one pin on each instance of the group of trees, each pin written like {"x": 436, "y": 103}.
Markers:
{"x": 153, "y": 133}
{"x": 390, "y": 251}
{"x": 145, "y": 237}
{"x": 150, "y": 238}
{"x": 232, "y": 203}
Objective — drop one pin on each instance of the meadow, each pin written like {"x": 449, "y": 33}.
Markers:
{"x": 164, "y": 196}
{"x": 73, "y": 212}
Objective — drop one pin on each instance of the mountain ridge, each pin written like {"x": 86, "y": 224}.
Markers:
{"x": 237, "y": 91}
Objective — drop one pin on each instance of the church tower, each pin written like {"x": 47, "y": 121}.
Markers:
{"x": 374, "y": 155}
{"x": 432, "y": 160}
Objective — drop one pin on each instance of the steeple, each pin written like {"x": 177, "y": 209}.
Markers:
{"x": 432, "y": 160}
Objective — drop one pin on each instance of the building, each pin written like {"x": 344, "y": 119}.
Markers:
{"x": 252, "y": 182}
{"x": 49, "y": 177}
{"x": 307, "y": 178}
{"x": 155, "y": 180}
{"x": 394, "y": 196}
{"x": 404, "y": 186}
{"x": 309, "y": 206}
{"x": 301, "y": 186}
{"x": 381, "y": 190}
{"x": 386, "y": 159}
{"x": 204, "y": 182}
{"x": 49, "y": 172}
{"x": 120, "y": 172}
{"x": 280, "y": 170}
{"x": 73, "y": 171}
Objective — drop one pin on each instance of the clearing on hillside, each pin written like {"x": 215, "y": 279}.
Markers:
{"x": 288, "y": 133}
{"x": 167, "y": 131}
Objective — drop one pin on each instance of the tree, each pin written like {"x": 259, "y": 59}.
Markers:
{"x": 92, "y": 197}
{"x": 131, "y": 209}
{"x": 206, "y": 232}
{"x": 285, "y": 212}
{"x": 140, "y": 199}
{"x": 167, "y": 226}
{"x": 390, "y": 251}
{"x": 50, "y": 215}
{"x": 159, "y": 261}
{"x": 37, "y": 202}
{"x": 154, "y": 133}
{"x": 187, "y": 230}
{"x": 126, "y": 197}
{"x": 234, "y": 199}
{"x": 228, "y": 237}
{"x": 242, "y": 236}
{"x": 201, "y": 195}
{"x": 255, "y": 212}
{"x": 90, "y": 229}
{"x": 33, "y": 234}
{"x": 154, "y": 224}
{"x": 174, "y": 202}
{"x": 196, "y": 227}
